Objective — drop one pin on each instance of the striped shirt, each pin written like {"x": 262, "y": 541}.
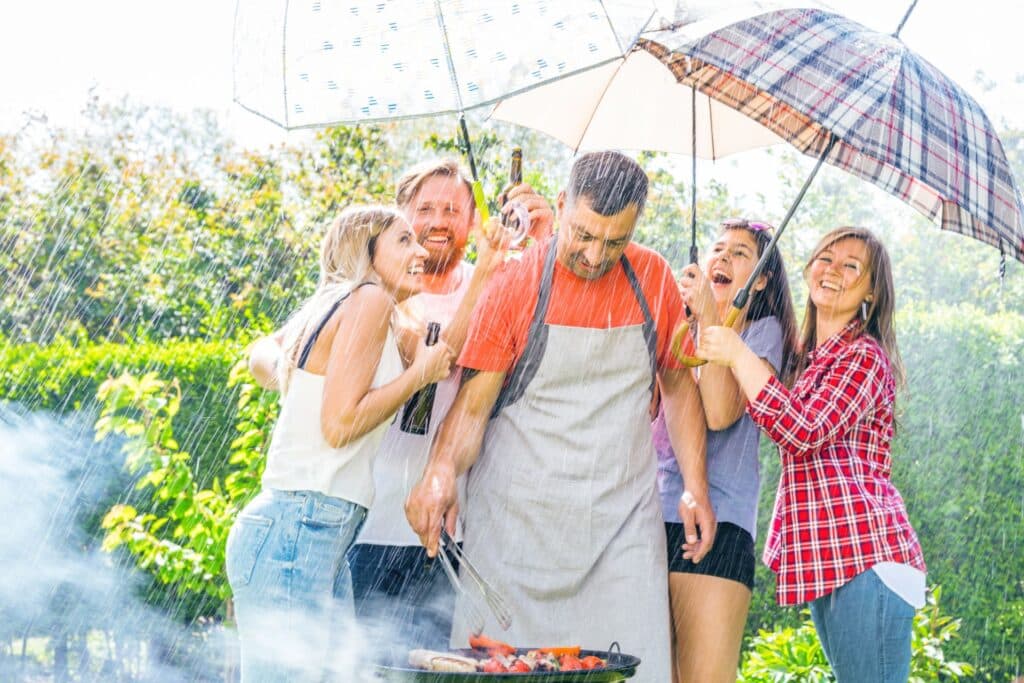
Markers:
{"x": 837, "y": 512}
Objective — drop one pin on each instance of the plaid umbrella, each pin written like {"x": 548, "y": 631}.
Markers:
{"x": 863, "y": 102}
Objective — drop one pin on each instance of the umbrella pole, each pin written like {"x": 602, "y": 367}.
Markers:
{"x": 743, "y": 295}
{"x": 693, "y": 175}
{"x": 478, "y": 189}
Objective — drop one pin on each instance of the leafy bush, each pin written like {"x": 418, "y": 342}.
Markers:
{"x": 181, "y": 534}
{"x": 791, "y": 654}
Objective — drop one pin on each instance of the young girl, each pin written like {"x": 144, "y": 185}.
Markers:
{"x": 840, "y": 538}
{"x": 710, "y": 600}
{"x": 342, "y": 379}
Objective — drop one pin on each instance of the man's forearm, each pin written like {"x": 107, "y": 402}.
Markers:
{"x": 684, "y": 417}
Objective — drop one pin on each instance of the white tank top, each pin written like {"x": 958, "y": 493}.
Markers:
{"x": 300, "y": 459}
{"x": 403, "y": 456}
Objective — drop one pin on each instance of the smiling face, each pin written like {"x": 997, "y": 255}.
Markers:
{"x": 398, "y": 260}
{"x": 441, "y": 215}
{"x": 590, "y": 244}
{"x": 730, "y": 263}
{"x": 839, "y": 279}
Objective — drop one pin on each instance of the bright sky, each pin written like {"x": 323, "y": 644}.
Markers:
{"x": 179, "y": 54}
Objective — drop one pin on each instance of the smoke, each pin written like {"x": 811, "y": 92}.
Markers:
{"x": 68, "y": 610}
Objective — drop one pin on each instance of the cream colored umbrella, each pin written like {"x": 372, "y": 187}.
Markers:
{"x": 634, "y": 103}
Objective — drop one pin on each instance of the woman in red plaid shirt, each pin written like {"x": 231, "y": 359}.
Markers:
{"x": 839, "y": 537}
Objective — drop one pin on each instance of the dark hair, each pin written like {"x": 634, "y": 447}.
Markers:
{"x": 610, "y": 180}
{"x": 880, "y": 309}
{"x": 774, "y": 300}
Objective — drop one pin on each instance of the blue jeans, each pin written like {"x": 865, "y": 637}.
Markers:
{"x": 865, "y": 630}
{"x": 400, "y": 585}
{"x": 292, "y": 589}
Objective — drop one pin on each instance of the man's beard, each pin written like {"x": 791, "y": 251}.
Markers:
{"x": 442, "y": 264}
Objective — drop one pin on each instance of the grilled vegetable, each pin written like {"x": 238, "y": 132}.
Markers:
{"x": 573, "y": 650}
{"x": 490, "y": 646}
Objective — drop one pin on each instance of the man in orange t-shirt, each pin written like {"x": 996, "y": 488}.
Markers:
{"x": 561, "y": 509}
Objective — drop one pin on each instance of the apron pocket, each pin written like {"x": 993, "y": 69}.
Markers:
{"x": 548, "y": 530}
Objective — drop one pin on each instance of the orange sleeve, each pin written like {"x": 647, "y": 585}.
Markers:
{"x": 666, "y": 306}
{"x": 495, "y": 333}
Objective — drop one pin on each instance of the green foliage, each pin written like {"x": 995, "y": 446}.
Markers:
{"x": 64, "y": 376}
{"x": 785, "y": 655}
{"x": 180, "y": 533}
{"x": 194, "y": 241}
{"x": 790, "y": 654}
{"x": 932, "y": 630}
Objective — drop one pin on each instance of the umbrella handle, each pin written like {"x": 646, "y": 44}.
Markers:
{"x": 684, "y": 328}
{"x": 481, "y": 202}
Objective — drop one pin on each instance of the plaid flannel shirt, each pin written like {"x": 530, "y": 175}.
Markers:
{"x": 837, "y": 512}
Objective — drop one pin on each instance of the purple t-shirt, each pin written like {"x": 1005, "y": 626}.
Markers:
{"x": 734, "y": 473}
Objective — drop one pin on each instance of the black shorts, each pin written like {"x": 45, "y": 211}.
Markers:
{"x": 732, "y": 556}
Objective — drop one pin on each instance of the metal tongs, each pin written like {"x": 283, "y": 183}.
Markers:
{"x": 495, "y": 602}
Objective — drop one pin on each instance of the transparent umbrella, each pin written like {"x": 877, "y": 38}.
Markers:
{"x": 325, "y": 62}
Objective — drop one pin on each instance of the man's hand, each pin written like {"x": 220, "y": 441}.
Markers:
{"x": 542, "y": 218}
{"x": 431, "y": 502}
{"x": 697, "y": 514}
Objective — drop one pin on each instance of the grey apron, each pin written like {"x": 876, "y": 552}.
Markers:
{"x": 562, "y": 510}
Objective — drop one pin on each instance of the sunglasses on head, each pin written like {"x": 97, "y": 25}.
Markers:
{"x": 755, "y": 226}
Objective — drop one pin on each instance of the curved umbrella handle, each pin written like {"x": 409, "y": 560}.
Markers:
{"x": 684, "y": 328}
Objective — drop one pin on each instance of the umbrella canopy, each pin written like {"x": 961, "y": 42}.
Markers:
{"x": 321, "y": 62}
{"x": 872, "y": 107}
{"x": 634, "y": 103}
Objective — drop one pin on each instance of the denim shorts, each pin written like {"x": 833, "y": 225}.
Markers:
{"x": 292, "y": 588}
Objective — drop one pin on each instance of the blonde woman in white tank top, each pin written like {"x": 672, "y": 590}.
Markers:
{"x": 342, "y": 379}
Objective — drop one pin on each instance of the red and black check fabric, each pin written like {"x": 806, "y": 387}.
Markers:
{"x": 900, "y": 123}
{"x": 837, "y": 512}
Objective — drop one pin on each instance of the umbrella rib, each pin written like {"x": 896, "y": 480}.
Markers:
{"x": 604, "y": 91}
{"x": 284, "y": 62}
{"x": 439, "y": 13}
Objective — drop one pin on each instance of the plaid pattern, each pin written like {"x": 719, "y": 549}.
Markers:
{"x": 836, "y": 511}
{"x": 900, "y": 122}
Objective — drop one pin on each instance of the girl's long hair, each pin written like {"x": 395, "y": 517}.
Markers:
{"x": 775, "y": 299}
{"x": 879, "y": 321}
{"x": 346, "y": 260}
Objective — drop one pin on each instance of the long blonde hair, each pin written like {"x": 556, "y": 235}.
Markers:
{"x": 879, "y": 321}
{"x": 346, "y": 260}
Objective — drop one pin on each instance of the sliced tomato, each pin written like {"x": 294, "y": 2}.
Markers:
{"x": 592, "y": 662}
{"x": 493, "y": 666}
{"x": 570, "y": 663}
{"x": 519, "y": 666}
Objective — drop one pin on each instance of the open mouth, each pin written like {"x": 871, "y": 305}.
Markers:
{"x": 721, "y": 279}
{"x": 437, "y": 239}
{"x": 415, "y": 269}
{"x": 830, "y": 286}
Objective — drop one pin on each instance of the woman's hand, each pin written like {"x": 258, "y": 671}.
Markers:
{"x": 721, "y": 345}
{"x": 696, "y": 292}
{"x": 492, "y": 241}
{"x": 434, "y": 363}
